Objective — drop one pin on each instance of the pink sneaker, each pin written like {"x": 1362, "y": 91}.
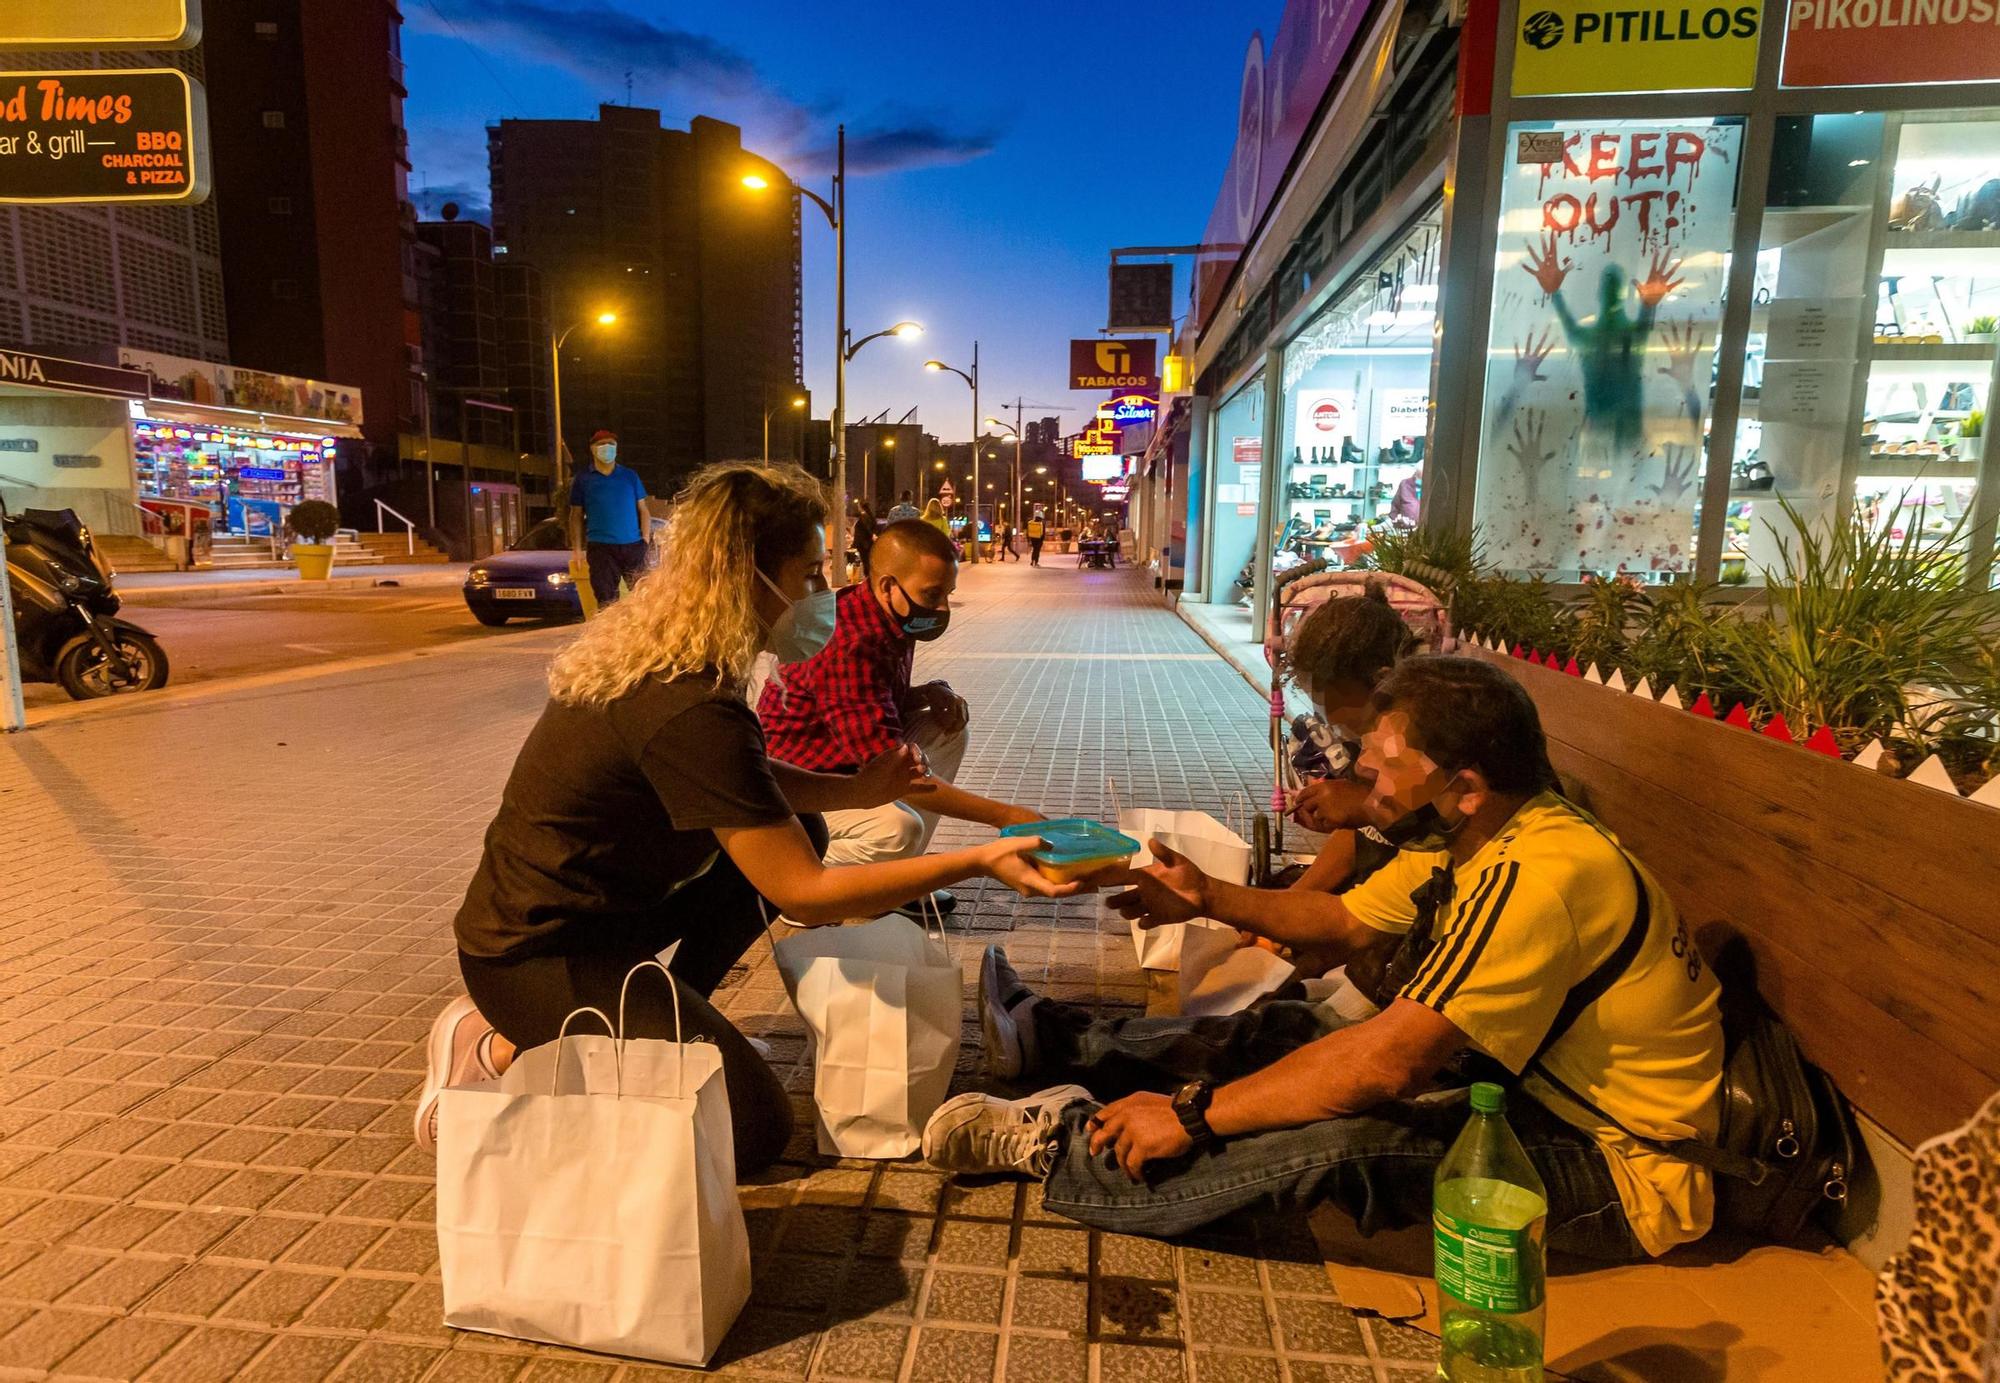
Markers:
{"x": 460, "y": 1052}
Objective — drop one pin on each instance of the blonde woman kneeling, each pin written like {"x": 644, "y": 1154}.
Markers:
{"x": 643, "y": 809}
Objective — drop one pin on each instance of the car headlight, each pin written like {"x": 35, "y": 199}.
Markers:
{"x": 559, "y": 578}
{"x": 479, "y": 576}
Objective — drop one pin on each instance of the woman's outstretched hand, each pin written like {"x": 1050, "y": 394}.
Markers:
{"x": 1006, "y": 859}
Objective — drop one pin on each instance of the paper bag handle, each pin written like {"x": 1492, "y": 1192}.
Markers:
{"x": 617, "y": 1056}
{"x": 931, "y": 909}
{"x": 680, "y": 1045}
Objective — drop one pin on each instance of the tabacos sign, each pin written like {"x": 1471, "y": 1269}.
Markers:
{"x": 1564, "y": 48}
{"x": 1122, "y": 363}
{"x": 1875, "y": 42}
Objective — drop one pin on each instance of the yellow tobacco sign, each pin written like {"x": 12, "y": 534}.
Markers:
{"x": 99, "y": 23}
{"x": 1565, "y": 48}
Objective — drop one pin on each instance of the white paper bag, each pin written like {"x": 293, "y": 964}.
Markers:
{"x": 882, "y": 1001}
{"x": 1209, "y": 845}
{"x": 588, "y": 1197}
{"x": 1219, "y": 974}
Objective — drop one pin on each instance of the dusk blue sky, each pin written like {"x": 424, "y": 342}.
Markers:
{"x": 1011, "y": 146}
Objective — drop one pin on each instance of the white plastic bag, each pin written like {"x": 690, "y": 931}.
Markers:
{"x": 588, "y": 1197}
{"x": 1209, "y": 845}
{"x": 882, "y": 1001}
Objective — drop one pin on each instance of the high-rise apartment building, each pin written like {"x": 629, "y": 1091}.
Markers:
{"x": 655, "y": 225}
{"x": 305, "y": 102}
{"x": 82, "y": 281}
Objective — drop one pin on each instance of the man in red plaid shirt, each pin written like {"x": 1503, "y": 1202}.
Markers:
{"x": 853, "y": 700}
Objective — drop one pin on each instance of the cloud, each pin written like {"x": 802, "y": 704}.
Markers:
{"x": 600, "y": 45}
{"x": 899, "y": 146}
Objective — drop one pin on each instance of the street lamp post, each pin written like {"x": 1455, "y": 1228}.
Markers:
{"x": 557, "y": 452}
{"x": 867, "y": 495}
{"x": 836, "y": 217}
{"x": 795, "y": 403}
{"x": 1015, "y": 429}
{"x": 972, "y": 382}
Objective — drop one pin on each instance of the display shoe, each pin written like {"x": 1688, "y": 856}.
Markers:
{"x": 1757, "y": 475}
{"x": 1350, "y": 452}
{"x": 984, "y": 1134}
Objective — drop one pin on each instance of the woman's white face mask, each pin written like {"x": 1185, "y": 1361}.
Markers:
{"x": 806, "y": 626}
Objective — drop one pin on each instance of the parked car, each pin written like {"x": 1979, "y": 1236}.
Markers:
{"x": 530, "y": 580}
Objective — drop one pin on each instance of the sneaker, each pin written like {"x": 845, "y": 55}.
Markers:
{"x": 460, "y": 1052}
{"x": 982, "y": 1134}
{"x": 943, "y": 902}
{"x": 1006, "y": 1017}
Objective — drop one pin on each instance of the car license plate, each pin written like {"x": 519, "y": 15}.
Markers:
{"x": 513, "y": 592}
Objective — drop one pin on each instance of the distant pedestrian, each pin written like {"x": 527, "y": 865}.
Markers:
{"x": 864, "y": 531}
{"x": 1007, "y": 543}
{"x": 934, "y": 516}
{"x": 903, "y": 509}
{"x": 608, "y": 520}
{"x": 1038, "y": 529}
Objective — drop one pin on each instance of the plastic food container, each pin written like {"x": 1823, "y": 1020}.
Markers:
{"x": 1074, "y": 846}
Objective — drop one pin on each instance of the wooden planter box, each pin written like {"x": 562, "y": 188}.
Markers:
{"x": 1872, "y": 906}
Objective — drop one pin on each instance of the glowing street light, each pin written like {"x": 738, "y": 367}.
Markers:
{"x": 604, "y": 318}
{"x": 798, "y": 401}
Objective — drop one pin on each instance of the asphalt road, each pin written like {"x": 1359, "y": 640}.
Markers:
{"x": 270, "y": 633}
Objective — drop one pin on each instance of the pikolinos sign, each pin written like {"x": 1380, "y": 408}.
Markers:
{"x": 104, "y": 135}
{"x": 1874, "y": 42}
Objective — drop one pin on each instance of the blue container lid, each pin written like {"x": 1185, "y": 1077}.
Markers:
{"x": 1072, "y": 838}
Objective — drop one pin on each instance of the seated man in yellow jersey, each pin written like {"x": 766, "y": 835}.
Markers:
{"x": 1539, "y": 945}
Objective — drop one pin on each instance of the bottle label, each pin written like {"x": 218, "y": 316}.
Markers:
{"x": 1489, "y": 1269}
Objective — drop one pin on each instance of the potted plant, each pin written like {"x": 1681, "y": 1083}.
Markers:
{"x": 312, "y": 524}
{"x": 1982, "y": 329}
{"x": 1972, "y": 435}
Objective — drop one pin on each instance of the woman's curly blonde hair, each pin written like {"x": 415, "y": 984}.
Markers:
{"x": 696, "y": 613}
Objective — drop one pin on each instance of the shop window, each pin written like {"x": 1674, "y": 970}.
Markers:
{"x": 1356, "y": 414}
{"x": 274, "y": 120}
{"x": 1607, "y": 303}
{"x": 278, "y": 206}
{"x": 267, "y": 28}
{"x": 1864, "y": 400}
{"x": 1238, "y": 467}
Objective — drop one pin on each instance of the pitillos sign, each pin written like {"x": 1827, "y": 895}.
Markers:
{"x": 102, "y": 135}
{"x": 1569, "y": 47}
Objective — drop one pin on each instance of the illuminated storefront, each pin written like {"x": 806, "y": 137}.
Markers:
{"x": 1612, "y": 289}
{"x": 1750, "y": 272}
{"x": 248, "y": 479}
{"x": 245, "y": 445}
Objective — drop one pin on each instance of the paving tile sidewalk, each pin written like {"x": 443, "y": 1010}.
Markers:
{"x": 224, "y": 929}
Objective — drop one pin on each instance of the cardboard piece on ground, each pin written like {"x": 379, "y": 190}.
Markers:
{"x": 1770, "y": 1314}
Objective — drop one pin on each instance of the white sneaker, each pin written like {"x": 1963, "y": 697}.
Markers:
{"x": 1006, "y": 1017}
{"x": 982, "y": 1134}
{"x": 460, "y": 1051}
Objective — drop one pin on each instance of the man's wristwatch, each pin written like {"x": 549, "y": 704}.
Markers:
{"x": 1191, "y": 1108}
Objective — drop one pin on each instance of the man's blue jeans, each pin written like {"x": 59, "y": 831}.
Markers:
{"x": 1377, "y": 1166}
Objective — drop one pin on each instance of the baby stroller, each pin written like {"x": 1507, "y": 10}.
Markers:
{"x": 1293, "y": 597}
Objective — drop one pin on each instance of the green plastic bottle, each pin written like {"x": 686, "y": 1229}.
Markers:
{"x": 1489, "y": 1215}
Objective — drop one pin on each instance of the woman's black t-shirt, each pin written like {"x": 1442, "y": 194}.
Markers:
{"x": 608, "y": 810}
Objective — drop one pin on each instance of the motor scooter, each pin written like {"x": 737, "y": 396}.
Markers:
{"x": 66, "y": 614}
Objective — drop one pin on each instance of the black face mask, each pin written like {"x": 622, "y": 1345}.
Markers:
{"x": 1423, "y": 829}
{"x": 919, "y": 622}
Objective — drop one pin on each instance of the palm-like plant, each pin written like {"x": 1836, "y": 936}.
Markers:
{"x": 1855, "y": 621}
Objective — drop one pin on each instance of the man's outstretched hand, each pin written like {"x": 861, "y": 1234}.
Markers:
{"x": 1139, "y": 1129}
{"x": 1170, "y": 889}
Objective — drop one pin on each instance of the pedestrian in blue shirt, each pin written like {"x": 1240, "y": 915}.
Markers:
{"x": 608, "y": 519}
